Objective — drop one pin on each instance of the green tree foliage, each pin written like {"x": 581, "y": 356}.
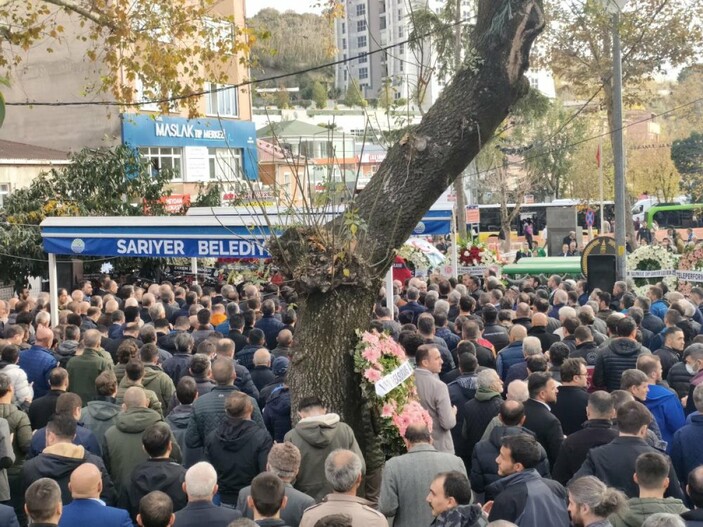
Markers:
{"x": 687, "y": 155}
{"x": 386, "y": 94}
{"x": 319, "y": 95}
{"x": 353, "y": 96}
{"x": 98, "y": 182}
{"x": 282, "y": 98}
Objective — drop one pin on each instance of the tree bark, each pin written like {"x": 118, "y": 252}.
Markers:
{"x": 338, "y": 271}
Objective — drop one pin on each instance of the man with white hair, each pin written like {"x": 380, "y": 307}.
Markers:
{"x": 564, "y": 313}
{"x": 479, "y": 411}
{"x": 559, "y": 300}
{"x": 343, "y": 471}
{"x": 261, "y": 373}
{"x": 531, "y": 347}
{"x": 200, "y": 486}
{"x": 517, "y": 391}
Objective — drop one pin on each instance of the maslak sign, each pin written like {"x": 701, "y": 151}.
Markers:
{"x": 158, "y": 247}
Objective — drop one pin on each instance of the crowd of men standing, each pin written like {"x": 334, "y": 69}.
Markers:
{"x": 168, "y": 405}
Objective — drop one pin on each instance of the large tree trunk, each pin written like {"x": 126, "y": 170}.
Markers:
{"x": 336, "y": 269}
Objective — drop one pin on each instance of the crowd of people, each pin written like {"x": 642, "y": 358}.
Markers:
{"x": 166, "y": 405}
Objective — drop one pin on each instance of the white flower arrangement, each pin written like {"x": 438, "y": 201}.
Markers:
{"x": 411, "y": 254}
{"x": 652, "y": 258}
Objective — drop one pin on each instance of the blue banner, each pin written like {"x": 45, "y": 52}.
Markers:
{"x": 158, "y": 247}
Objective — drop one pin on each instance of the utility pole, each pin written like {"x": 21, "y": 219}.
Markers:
{"x": 618, "y": 147}
{"x": 459, "y": 181}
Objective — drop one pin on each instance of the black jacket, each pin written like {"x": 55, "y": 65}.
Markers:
{"x": 42, "y": 409}
{"x": 668, "y": 358}
{"x": 267, "y": 390}
{"x": 238, "y": 449}
{"x": 484, "y": 356}
{"x": 484, "y": 469}
{"x": 205, "y": 513}
{"x": 277, "y": 413}
{"x": 693, "y": 518}
{"x": 575, "y": 447}
{"x": 587, "y": 351}
{"x": 570, "y": 408}
{"x": 496, "y": 335}
{"x": 240, "y": 341}
{"x": 545, "y": 338}
{"x": 60, "y": 467}
{"x": 652, "y": 322}
{"x": 620, "y": 355}
{"x": 546, "y": 427}
{"x": 156, "y": 474}
{"x": 477, "y": 414}
{"x": 261, "y": 376}
{"x": 679, "y": 379}
{"x": 614, "y": 465}
{"x": 461, "y": 391}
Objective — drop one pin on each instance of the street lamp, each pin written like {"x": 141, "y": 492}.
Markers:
{"x": 615, "y": 7}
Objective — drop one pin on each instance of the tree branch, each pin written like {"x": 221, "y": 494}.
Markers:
{"x": 88, "y": 14}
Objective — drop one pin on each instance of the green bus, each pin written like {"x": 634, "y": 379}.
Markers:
{"x": 675, "y": 215}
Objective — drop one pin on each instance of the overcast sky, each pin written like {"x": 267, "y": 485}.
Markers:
{"x": 301, "y": 6}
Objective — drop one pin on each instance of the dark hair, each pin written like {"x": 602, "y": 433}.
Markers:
{"x": 652, "y": 468}
{"x": 465, "y": 346}
{"x": 10, "y": 353}
{"x": 632, "y": 378}
{"x": 625, "y": 327}
{"x": 570, "y": 324}
{"x": 186, "y": 390}
{"x": 418, "y": 433}
{"x": 536, "y": 382}
{"x": 524, "y": 449}
{"x": 156, "y": 439}
{"x": 583, "y": 334}
{"x": 155, "y": 509}
{"x": 203, "y": 317}
{"x": 410, "y": 341}
{"x": 134, "y": 370}
{"x": 558, "y": 353}
{"x": 490, "y": 314}
{"x": 62, "y": 426}
{"x": 632, "y": 416}
{"x": 670, "y": 331}
{"x": 425, "y": 324}
{"x": 148, "y": 353}
{"x": 71, "y": 332}
{"x": 602, "y": 402}
{"x": 238, "y": 405}
{"x": 423, "y": 353}
{"x": 128, "y": 349}
{"x": 604, "y": 296}
{"x": 57, "y": 377}
{"x": 536, "y": 363}
{"x": 511, "y": 414}
{"x": 267, "y": 492}
{"x": 570, "y": 368}
{"x": 268, "y": 307}
{"x": 468, "y": 362}
{"x": 310, "y": 402}
{"x": 106, "y": 383}
{"x": 200, "y": 364}
{"x": 256, "y": 336}
{"x": 67, "y": 402}
{"x": 456, "y": 485}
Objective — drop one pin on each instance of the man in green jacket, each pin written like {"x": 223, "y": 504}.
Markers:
{"x": 83, "y": 369}
{"x": 652, "y": 477}
{"x": 123, "y": 450}
{"x": 155, "y": 379}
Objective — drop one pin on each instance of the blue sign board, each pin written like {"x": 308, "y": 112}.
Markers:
{"x": 141, "y": 130}
{"x": 590, "y": 217}
{"x": 206, "y": 247}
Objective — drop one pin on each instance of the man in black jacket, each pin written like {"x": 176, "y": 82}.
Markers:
{"x": 694, "y": 490}
{"x": 670, "y": 352}
{"x": 471, "y": 331}
{"x": 586, "y": 348}
{"x": 492, "y": 331}
{"x": 238, "y": 448}
{"x": 597, "y": 431}
{"x": 42, "y": 408}
{"x": 201, "y": 486}
{"x": 539, "y": 330}
{"x": 156, "y": 473}
{"x": 614, "y": 463}
{"x": 570, "y": 406}
{"x": 621, "y": 354}
{"x": 461, "y": 391}
{"x": 649, "y": 321}
{"x": 484, "y": 468}
{"x": 538, "y": 416}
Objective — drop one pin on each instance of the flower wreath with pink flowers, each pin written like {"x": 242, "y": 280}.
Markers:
{"x": 376, "y": 356}
{"x": 691, "y": 268}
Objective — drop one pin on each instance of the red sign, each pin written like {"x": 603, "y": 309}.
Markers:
{"x": 175, "y": 202}
{"x": 473, "y": 215}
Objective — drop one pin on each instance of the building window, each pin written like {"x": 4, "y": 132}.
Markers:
{"x": 344, "y": 27}
{"x": 225, "y": 164}
{"x": 400, "y": 65}
{"x": 363, "y": 59}
{"x": 344, "y": 43}
{"x": 143, "y": 95}
{"x": 221, "y": 100}
{"x": 382, "y": 22}
{"x": 361, "y": 41}
{"x": 165, "y": 159}
{"x": 4, "y": 193}
{"x": 401, "y": 49}
{"x": 382, "y": 7}
{"x": 345, "y": 75}
{"x": 360, "y": 9}
{"x": 361, "y": 25}
{"x": 363, "y": 73}
{"x": 400, "y": 14}
{"x": 400, "y": 31}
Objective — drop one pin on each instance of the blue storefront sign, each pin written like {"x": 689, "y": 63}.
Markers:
{"x": 158, "y": 247}
{"x": 142, "y": 130}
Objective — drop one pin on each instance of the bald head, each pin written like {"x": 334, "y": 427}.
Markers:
{"x": 539, "y": 320}
{"x": 135, "y": 397}
{"x": 285, "y": 338}
{"x": 522, "y": 310}
{"x": 262, "y": 357}
{"x": 86, "y": 482}
{"x": 518, "y": 333}
{"x": 44, "y": 337}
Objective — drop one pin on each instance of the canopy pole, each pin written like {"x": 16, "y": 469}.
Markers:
{"x": 455, "y": 249}
{"x": 390, "y": 304}
{"x": 194, "y": 268}
{"x": 53, "y": 290}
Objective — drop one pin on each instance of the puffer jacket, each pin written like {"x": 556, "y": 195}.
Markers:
{"x": 238, "y": 449}
{"x": 158, "y": 382}
{"x": 65, "y": 351}
{"x": 23, "y": 390}
{"x": 639, "y": 509}
{"x": 277, "y": 413}
{"x": 461, "y": 516}
{"x": 510, "y": 355}
{"x": 177, "y": 420}
{"x": 461, "y": 391}
{"x": 679, "y": 379}
{"x": 484, "y": 469}
{"x": 620, "y": 355}
{"x": 22, "y": 430}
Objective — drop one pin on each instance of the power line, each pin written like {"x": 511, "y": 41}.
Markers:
{"x": 243, "y": 83}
